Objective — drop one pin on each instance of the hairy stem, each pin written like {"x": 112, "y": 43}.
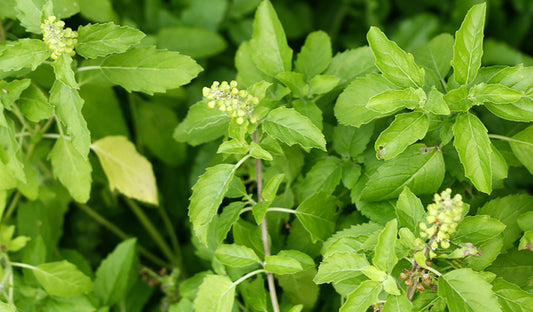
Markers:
{"x": 264, "y": 231}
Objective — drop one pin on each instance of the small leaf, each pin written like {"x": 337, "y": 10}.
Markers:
{"x": 23, "y": 53}
{"x": 236, "y": 255}
{"x": 405, "y": 130}
{"x": 271, "y": 188}
{"x": 436, "y": 103}
{"x": 473, "y": 146}
{"x": 322, "y": 84}
{"x": 207, "y": 196}
{"x": 291, "y": 127}
{"x": 318, "y": 214}
{"x": 526, "y": 242}
{"x": 62, "y": 279}
{"x": 494, "y": 93}
{"x": 340, "y": 266}
{"x": 63, "y": 71}
{"x": 256, "y": 151}
{"x": 395, "y": 64}
{"x": 385, "y": 258}
{"x": 522, "y": 146}
{"x": 216, "y": 294}
{"x": 315, "y": 55}
{"x": 466, "y": 290}
{"x": 96, "y": 40}
{"x": 397, "y": 304}
{"x": 374, "y": 273}
{"x": 72, "y": 169}
{"x": 282, "y": 265}
{"x": 393, "y": 100}
{"x": 468, "y": 46}
{"x": 361, "y": 298}
{"x": 409, "y": 210}
{"x": 458, "y": 100}
{"x": 390, "y": 286}
{"x": 127, "y": 171}
{"x": 304, "y": 259}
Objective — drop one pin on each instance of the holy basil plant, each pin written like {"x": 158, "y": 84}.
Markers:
{"x": 264, "y": 225}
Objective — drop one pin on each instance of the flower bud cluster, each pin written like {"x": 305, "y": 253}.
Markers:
{"x": 60, "y": 40}
{"x": 442, "y": 219}
{"x": 227, "y": 98}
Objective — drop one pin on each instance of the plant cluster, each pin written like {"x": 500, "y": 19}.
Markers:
{"x": 393, "y": 176}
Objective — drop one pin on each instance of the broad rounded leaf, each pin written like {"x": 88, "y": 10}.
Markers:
{"x": 362, "y": 297}
{"x": 23, "y": 53}
{"x": 315, "y": 55}
{"x": 202, "y": 124}
{"x": 282, "y": 265}
{"x": 95, "y": 40}
{"x": 127, "y": 170}
{"x": 235, "y": 255}
{"x": 62, "y": 279}
{"x": 216, "y": 294}
{"x": 318, "y": 214}
{"x": 340, "y": 266}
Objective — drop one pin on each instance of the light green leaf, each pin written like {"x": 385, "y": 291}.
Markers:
{"x": 435, "y": 58}
{"x": 95, "y": 40}
{"x": 397, "y": 304}
{"x": 522, "y": 146}
{"x": 98, "y": 10}
{"x": 477, "y": 229}
{"x": 361, "y": 298}
{"x": 436, "y": 103}
{"x": 304, "y": 259}
{"x": 29, "y": 14}
{"x": 458, "y": 100}
{"x": 270, "y": 51}
{"x": 350, "y": 239}
{"x": 235, "y": 255}
{"x": 291, "y": 127}
{"x": 72, "y": 169}
{"x": 405, "y": 130}
{"x": 350, "y": 108}
{"x": 390, "y": 285}
{"x": 340, "y": 266}
{"x": 374, "y": 273}
{"x": 494, "y": 93}
{"x": 8, "y": 154}
{"x": 271, "y": 187}
{"x": 117, "y": 273}
{"x": 498, "y": 164}
{"x": 254, "y": 293}
{"x": 68, "y": 104}
{"x": 322, "y": 84}
{"x": 11, "y": 92}
{"x": 422, "y": 172}
{"x": 409, "y": 210}
{"x": 23, "y": 53}
{"x": 310, "y": 110}
{"x": 525, "y": 221}
{"x": 349, "y": 64}
{"x": 393, "y": 100}
{"x": 526, "y": 242}
{"x": 216, "y": 294}
{"x": 207, "y": 196}
{"x": 300, "y": 288}
{"x": 473, "y": 146}
{"x": 318, "y": 214}
{"x": 256, "y": 151}
{"x": 192, "y": 41}
{"x": 143, "y": 69}
{"x": 385, "y": 258}
{"x": 468, "y": 46}
{"x": 248, "y": 72}
{"x": 7, "y": 307}
{"x": 126, "y": 170}
{"x": 395, "y": 64}
{"x": 62, "y": 279}
{"x": 511, "y": 297}
{"x": 282, "y": 265}
{"x": 465, "y": 291}
{"x": 324, "y": 176}
{"x": 514, "y": 266}
{"x": 63, "y": 71}
{"x": 315, "y": 55}
{"x": 202, "y": 124}
{"x": 350, "y": 141}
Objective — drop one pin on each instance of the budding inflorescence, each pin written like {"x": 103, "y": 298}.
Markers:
{"x": 60, "y": 40}
{"x": 227, "y": 98}
{"x": 442, "y": 219}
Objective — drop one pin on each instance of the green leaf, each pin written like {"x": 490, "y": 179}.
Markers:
{"x": 256, "y": 151}
{"x": 322, "y": 84}
{"x": 374, "y": 273}
{"x": 494, "y": 93}
{"x": 435, "y": 58}
{"x": 98, "y": 10}
{"x": 465, "y": 290}
{"x": 72, "y": 169}
{"x": 11, "y": 91}
{"x": 254, "y": 293}
{"x": 468, "y": 46}
{"x": 458, "y": 100}
{"x": 291, "y": 127}
{"x": 63, "y": 71}
{"x": 350, "y": 141}
{"x": 514, "y": 266}
{"x": 300, "y": 288}
{"x": 349, "y": 64}
{"x": 390, "y": 285}
{"x": 202, "y": 124}
{"x": 507, "y": 209}
{"x": 498, "y": 164}
{"x": 226, "y": 219}
{"x": 233, "y": 146}
{"x": 525, "y": 221}
{"x": 126, "y": 170}
{"x": 7, "y": 307}
{"x": 350, "y": 239}
{"x": 62, "y": 279}
{"x": 117, "y": 273}
{"x": 423, "y": 173}
{"x": 142, "y": 69}
{"x": 270, "y": 51}
{"x": 68, "y": 104}
{"x": 324, "y": 177}
{"x": 405, "y": 130}
{"x": 397, "y": 304}
{"x": 59, "y": 304}
{"x": 340, "y": 266}
{"x": 207, "y": 196}
{"x": 436, "y": 103}
{"x": 23, "y": 53}
{"x": 318, "y": 214}
{"x": 315, "y": 55}
{"x": 477, "y": 229}
{"x": 522, "y": 146}
{"x": 350, "y": 108}
{"x": 29, "y": 14}
{"x": 393, "y": 100}
{"x": 409, "y": 210}
{"x": 526, "y": 242}
{"x": 282, "y": 265}
{"x": 385, "y": 258}
{"x": 395, "y": 64}
{"x": 95, "y": 40}
{"x": 304, "y": 259}
{"x": 363, "y": 297}
{"x": 271, "y": 187}
{"x": 216, "y": 294}
{"x": 235, "y": 255}
{"x": 8, "y": 152}
{"x": 192, "y": 41}
{"x": 473, "y": 146}
{"x": 511, "y": 297}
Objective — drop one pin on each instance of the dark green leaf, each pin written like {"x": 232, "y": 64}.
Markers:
{"x": 194, "y": 42}
{"x": 511, "y": 297}
{"x": 324, "y": 176}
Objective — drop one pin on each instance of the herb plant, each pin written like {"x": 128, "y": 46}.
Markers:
{"x": 379, "y": 178}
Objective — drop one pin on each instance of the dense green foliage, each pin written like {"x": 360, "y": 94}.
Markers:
{"x": 383, "y": 164}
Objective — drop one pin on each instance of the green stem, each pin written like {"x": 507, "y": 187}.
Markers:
{"x": 270, "y": 209}
{"x": 247, "y": 276}
{"x": 264, "y": 231}
{"x": 173, "y": 239}
{"x": 11, "y": 207}
{"x": 118, "y": 232}
{"x": 504, "y": 138}
{"x": 152, "y": 230}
